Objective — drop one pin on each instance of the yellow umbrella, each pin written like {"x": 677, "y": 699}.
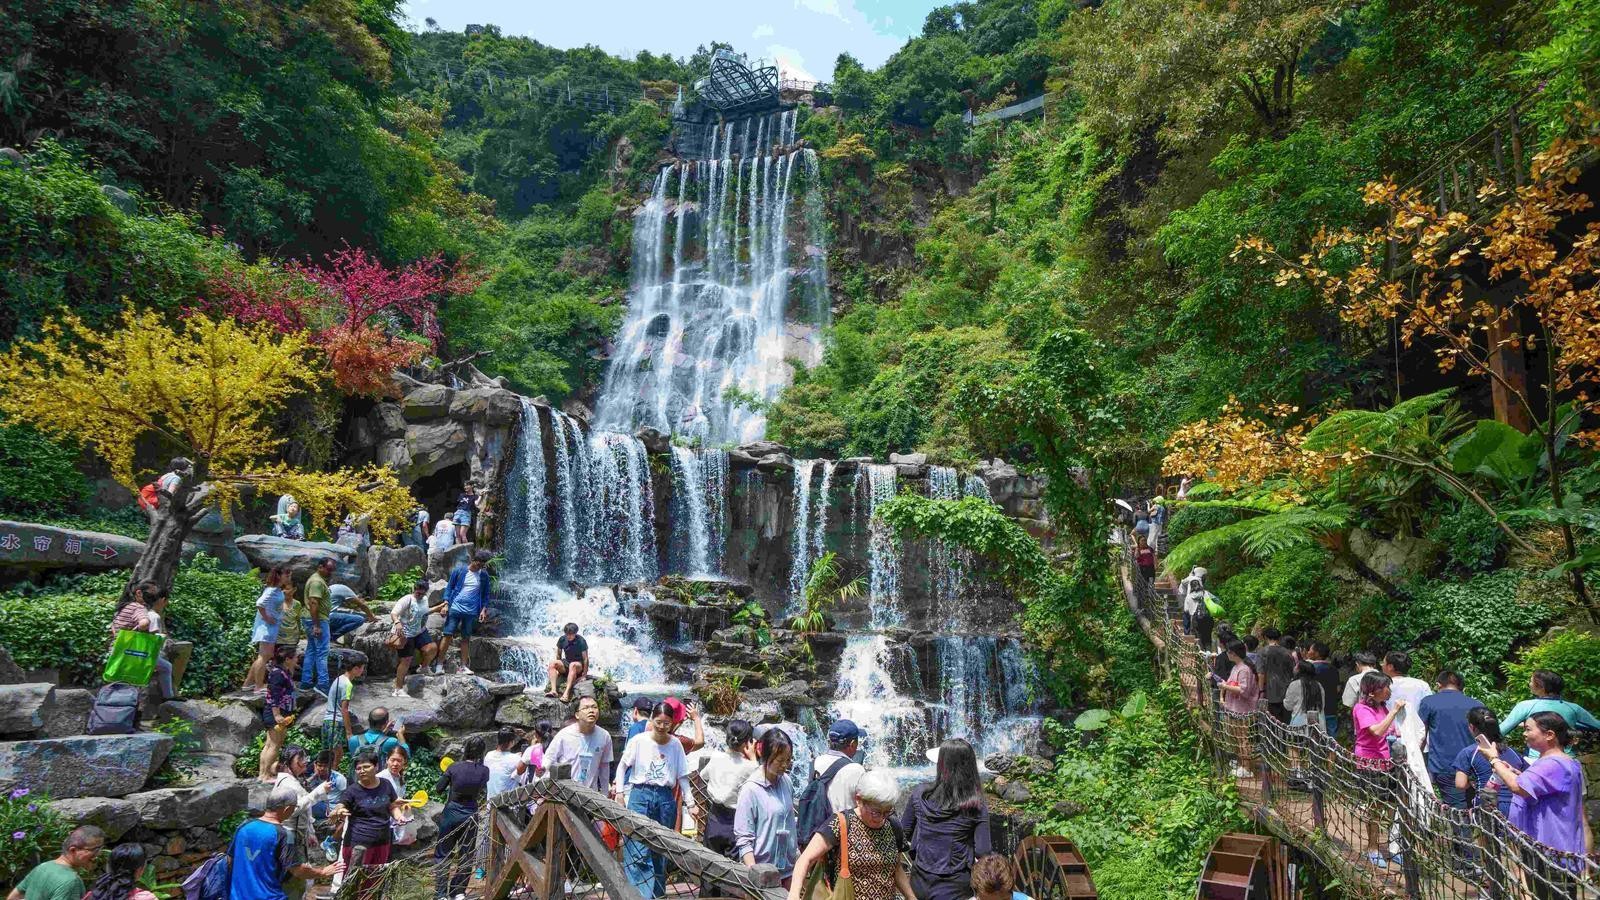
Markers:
{"x": 418, "y": 800}
{"x": 445, "y": 764}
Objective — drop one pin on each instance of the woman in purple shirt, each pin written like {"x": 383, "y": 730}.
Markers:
{"x": 1547, "y": 797}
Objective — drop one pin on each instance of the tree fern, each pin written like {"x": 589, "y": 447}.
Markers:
{"x": 1261, "y": 535}
{"x": 1368, "y": 429}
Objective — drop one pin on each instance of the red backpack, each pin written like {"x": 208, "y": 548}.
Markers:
{"x": 149, "y": 496}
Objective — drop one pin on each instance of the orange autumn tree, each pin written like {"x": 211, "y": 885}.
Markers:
{"x": 1474, "y": 289}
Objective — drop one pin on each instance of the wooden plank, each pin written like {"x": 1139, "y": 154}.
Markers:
{"x": 555, "y": 855}
{"x": 598, "y": 856}
{"x": 504, "y": 880}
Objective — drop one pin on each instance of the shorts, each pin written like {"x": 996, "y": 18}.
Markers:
{"x": 333, "y": 735}
{"x": 263, "y": 633}
{"x": 462, "y": 518}
{"x": 462, "y": 624}
{"x": 420, "y": 641}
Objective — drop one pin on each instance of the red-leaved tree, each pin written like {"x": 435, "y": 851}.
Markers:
{"x": 368, "y": 319}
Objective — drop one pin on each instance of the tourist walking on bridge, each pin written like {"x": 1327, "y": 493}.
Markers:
{"x": 1547, "y": 803}
{"x": 1546, "y": 687}
{"x": 763, "y": 819}
{"x": 463, "y": 786}
{"x": 947, "y": 824}
{"x": 871, "y": 841}
{"x": 1374, "y": 719}
{"x": 1239, "y": 695}
{"x": 725, "y": 773}
{"x": 653, "y": 773}
{"x": 583, "y": 746}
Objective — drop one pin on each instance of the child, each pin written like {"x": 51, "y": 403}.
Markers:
{"x": 992, "y": 879}
{"x": 338, "y": 723}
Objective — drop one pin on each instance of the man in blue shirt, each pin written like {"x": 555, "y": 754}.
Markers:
{"x": 377, "y": 735}
{"x": 1444, "y": 713}
{"x": 264, "y": 856}
{"x": 466, "y": 594}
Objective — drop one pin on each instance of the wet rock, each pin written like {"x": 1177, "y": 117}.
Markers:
{"x": 908, "y": 459}
{"x": 490, "y": 405}
{"x": 1014, "y": 791}
{"x": 207, "y": 804}
{"x": 113, "y": 816}
{"x": 778, "y": 463}
{"x": 526, "y": 710}
{"x": 435, "y": 446}
{"x": 760, "y": 449}
{"x": 113, "y": 765}
{"x": 22, "y": 708}
{"x": 654, "y": 441}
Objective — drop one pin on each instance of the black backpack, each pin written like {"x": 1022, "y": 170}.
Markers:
{"x": 115, "y": 710}
{"x": 815, "y": 811}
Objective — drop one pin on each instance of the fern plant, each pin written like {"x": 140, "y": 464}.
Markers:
{"x": 823, "y": 591}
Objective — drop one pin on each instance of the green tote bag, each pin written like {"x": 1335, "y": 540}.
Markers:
{"x": 133, "y": 657}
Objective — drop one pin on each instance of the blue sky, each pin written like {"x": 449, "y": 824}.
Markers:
{"x": 803, "y": 36}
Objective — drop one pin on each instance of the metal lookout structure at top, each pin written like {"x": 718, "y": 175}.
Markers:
{"x": 732, "y": 87}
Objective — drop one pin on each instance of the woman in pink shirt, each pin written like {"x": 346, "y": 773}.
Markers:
{"x": 1374, "y": 720}
{"x": 1239, "y": 694}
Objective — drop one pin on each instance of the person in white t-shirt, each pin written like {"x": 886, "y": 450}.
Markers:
{"x": 504, "y": 763}
{"x": 1365, "y": 662}
{"x": 585, "y": 747}
{"x": 654, "y": 773}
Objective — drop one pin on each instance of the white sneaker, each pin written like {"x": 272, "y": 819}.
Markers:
{"x": 1242, "y": 772}
{"x": 438, "y": 669}
{"x": 399, "y": 692}
{"x": 464, "y": 670}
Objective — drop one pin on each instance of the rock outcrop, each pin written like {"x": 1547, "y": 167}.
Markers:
{"x": 265, "y": 551}
{"x": 83, "y": 766}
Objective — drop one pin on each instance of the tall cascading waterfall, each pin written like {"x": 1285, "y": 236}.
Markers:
{"x": 883, "y": 550}
{"x": 810, "y": 525}
{"x": 713, "y": 330}
{"x": 596, "y": 527}
{"x": 871, "y": 675}
{"x": 699, "y": 509}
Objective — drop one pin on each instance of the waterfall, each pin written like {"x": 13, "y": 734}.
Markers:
{"x": 700, "y": 489}
{"x": 977, "y": 487}
{"x": 987, "y": 696}
{"x": 869, "y": 695}
{"x": 603, "y": 517}
{"x": 883, "y": 579}
{"x": 704, "y": 340}
{"x": 946, "y": 563}
{"x": 810, "y": 525}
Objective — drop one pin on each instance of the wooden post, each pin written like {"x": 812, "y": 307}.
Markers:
{"x": 1509, "y": 364}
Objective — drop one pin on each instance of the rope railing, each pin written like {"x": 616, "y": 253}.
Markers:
{"x": 1340, "y": 809}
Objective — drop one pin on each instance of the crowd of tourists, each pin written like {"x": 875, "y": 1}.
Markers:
{"x": 1385, "y": 717}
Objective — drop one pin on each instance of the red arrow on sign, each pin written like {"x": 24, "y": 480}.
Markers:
{"x": 105, "y": 552}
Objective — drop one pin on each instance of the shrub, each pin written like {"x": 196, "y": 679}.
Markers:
{"x": 36, "y": 473}
{"x": 399, "y": 584}
{"x": 64, "y": 626}
{"x": 303, "y": 734}
{"x": 1470, "y": 538}
{"x": 1470, "y": 626}
{"x": 30, "y": 832}
{"x": 1293, "y": 591}
{"x": 1573, "y": 655}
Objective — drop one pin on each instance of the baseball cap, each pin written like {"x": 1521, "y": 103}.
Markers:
{"x": 844, "y": 730}
{"x": 643, "y": 704}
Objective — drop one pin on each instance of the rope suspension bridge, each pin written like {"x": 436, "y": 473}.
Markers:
{"x": 1314, "y": 794}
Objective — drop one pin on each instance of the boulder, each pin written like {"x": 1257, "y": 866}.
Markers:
{"x": 490, "y": 405}
{"x": 214, "y": 536}
{"x": 120, "y": 198}
{"x": 10, "y": 672}
{"x": 381, "y": 660}
{"x": 30, "y": 547}
{"x": 440, "y": 563}
{"x": 462, "y": 701}
{"x": 22, "y": 708}
{"x": 908, "y": 459}
{"x": 207, "y": 804}
{"x": 67, "y": 713}
{"x": 385, "y": 561}
{"x": 655, "y": 442}
{"x": 759, "y": 449}
{"x": 428, "y": 401}
{"x": 11, "y": 155}
{"x": 776, "y": 464}
{"x": 435, "y": 446}
{"x": 1396, "y": 558}
{"x": 114, "y": 817}
{"x": 265, "y": 551}
{"x": 225, "y": 727}
{"x": 112, "y": 765}
{"x": 526, "y": 710}
{"x": 393, "y": 452}
{"x": 389, "y": 420}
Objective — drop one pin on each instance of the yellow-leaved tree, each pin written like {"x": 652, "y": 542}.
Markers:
{"x": 206, "y": 389}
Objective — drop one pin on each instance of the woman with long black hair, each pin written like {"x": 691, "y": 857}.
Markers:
{"x": 121, "y": 880}
{"x": 725, "y": 773}
{"x": 947, "y": 824}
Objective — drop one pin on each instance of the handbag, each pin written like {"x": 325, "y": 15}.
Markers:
{"x": 844, "y": 888}
{"x": 395, "y": 640}
{"x": 133, "y": 657}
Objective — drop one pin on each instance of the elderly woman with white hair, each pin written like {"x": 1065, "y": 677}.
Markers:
{"x": 872, "y": 841}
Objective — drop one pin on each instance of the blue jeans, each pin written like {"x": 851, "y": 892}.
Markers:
{"x": 314, "y": 671}
{"x": 1332, "y": 723}
{"x": 342, "y": 623}
{"x": 646, "y": 870}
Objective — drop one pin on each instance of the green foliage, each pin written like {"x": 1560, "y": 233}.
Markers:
{"x": 1136, "y": 799}
{"x": 1190, "y": 520}
{"x": 36, "y": 473}
{"x": 64, "y": 625}
{"x": 823, "y": 590}
{"x": 1574, "y": 655}
{"x": 1470, "y": 537}
{"x": 753, "y": 615}
{"x": 400, "y": 584}
{"x": 1470, "y": 626}
{"x": 128, "y": 521}
{"x": 27, "y": 813}
{"x": 1271, "y": 527}
{"x": 183, "y": 760}
{"x": 307, "y": 735}
{"x": 1292, "y": 591}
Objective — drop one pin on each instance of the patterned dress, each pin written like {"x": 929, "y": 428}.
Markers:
{"x": 874, "y": 856}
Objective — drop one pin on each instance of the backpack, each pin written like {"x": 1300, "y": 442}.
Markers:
{"x": 815, "y": 810}
{"x": 149, "y": 496}
{"x": 211, "y": 880}
{"x": 115, "y": 710}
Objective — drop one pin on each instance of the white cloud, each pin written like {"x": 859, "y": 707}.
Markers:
{"x": 824, "y": 7}
{"x": 763, "y": 30}
{"x": 790, "y": 62}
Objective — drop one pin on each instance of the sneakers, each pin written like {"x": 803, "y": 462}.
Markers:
{"x": 438, "y": 669}
{"x": 1242, "y": 772}
{"x": 330, "y": 850}
{"x": 1377, "y": 859}
{"x": 464, "y": 670}
{"x": 399, "y": 692}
